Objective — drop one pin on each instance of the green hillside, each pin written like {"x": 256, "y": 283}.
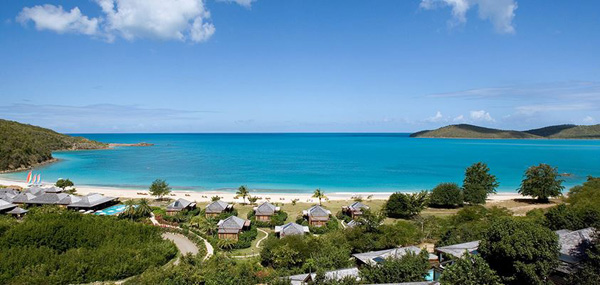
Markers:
{"x": 23, "y": 146}
{"x": 470, "y": 131}
{"x": 476, "y": 132}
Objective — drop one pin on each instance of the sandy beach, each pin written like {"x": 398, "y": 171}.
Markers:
{"x": 204, "y": 196}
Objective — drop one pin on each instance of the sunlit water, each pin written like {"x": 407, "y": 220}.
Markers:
{"x": 303, "y": 162}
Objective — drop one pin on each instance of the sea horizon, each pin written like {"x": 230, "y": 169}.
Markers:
{"x": 301, "y": 162}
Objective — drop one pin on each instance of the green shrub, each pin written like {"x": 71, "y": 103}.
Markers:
{"x": 405, "y": 205}
{"x": 446, "y": 195}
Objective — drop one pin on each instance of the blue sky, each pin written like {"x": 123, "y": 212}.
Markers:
{"x": 298, "y": 66}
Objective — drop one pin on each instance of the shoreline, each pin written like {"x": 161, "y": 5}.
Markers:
{"x": 273, "y": 197}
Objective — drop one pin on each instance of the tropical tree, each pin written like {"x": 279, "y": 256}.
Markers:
{"x": 470, "y": 270}
{"x": 226, "y": 243}
{"x": 478, "y": 183}
{"x": 446, "y": 195}
{"x": 252, "y": 200}
{"x": 243, "y": 192}
{"x": 64, "y": 183}
{"x": 319, "y": 194}
{"x": 205, "y": 225}
{"x": 541, "y": 181}
{"x": 521, "y": 252}
{"x": 410, "y": 267}
{"x": 405, "y": 205}
{"x": 130, "y": 211}
{"x": 160, "y": 188}
{"x": 143, "y": 208}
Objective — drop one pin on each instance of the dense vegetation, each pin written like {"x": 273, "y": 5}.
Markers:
{"x": 22, "y": 146}
{"x": 53, "y": 246}
{"x": 553, "y": 132}
{"x": 277, "y": 219}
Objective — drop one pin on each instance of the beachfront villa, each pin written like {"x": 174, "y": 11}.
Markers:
{"x": 265, "y": 211}
{"x": 317, "y": 216}
{"x": 291, "y": 229}
{"x": 231, "y": 227}
{"x": 338, "y": 275}
{"x": 10, "y": 199}
{"x": 180, "y": 205}
{"x": 355, "y": 209}
{"x": 216, "y": 208}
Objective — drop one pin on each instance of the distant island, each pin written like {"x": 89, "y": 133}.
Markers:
{"x": 24, "y": 146}
{"x": 476, "y": 132}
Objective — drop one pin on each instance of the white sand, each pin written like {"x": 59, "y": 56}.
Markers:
{"x": 205, "y": 196}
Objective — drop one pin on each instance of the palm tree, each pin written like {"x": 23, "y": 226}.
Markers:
{"x": 207, "y": 226}
{"x": 319, "y": 194}
{"x": 130, "y": 211}
{"x": 243, "y": 191}
{"x": 143, "y": 209}
{"x": 226, "y": 243}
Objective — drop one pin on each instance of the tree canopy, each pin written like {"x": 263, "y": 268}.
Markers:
{"x": 541, "y": 182}
{"x": 159, "y": 188}
{"x": 405, "y": 205}
{"x": 521, "y": 252}
{"x": 243, "y": 192}
{"x": 478, "y": 183}
{"x": 446, "y": 195}
{"x": 64, "y": 183}
{"x": 470, "y": 270}
{"x": 409, "y": 268}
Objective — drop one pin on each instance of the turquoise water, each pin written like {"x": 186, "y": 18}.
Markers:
{"x": 303, "y": 162}
{"x": 112, "y": 210}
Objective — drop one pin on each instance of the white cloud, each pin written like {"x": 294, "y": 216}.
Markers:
{"x": 437, "y": 118}
{"x": 245, "y": 3}
{"x": 533, "y": 109}
{"x": 459, "y": 118}
{"x": 499, "y": 12}
{"x": 589, "y": 120}
{"x": 183, "y": 20}
{"x": 54, "y": 18}
{"x": 481, "y": 115}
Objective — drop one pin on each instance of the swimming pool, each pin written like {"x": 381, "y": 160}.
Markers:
{"x": 112, "y": 210}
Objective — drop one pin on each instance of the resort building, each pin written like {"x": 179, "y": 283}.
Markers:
{"x": 180, "y": 205}
{"x": 53, "y": 189}
{"x": 60, "y": 199}
{"x": 291, "y": 229}
{"x": 457, "y": 250}
{"x": 317, "y": 216}
{"x": 22, "y": 198}
{"x": 338, "y": 275}
{"x": 572, "y": 249}
{"x": 6, "y": 206}
{"x": 231, "y": 227}
{"x": 355, "y": 209}
{"x": 8, "y": 194}
{"x": 216, "y": 208}
{"x": 265, "y": 211}
{"x": 17, "y": 212}
{"x": 375, "y": 257}
{"x": 92, "y": 201}
{"x": 352, "y": 224}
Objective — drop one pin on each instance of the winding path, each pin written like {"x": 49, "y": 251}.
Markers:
{"x": 182, "y": 243}
{"x": 210, "y": 251}
{"x": 257, "y": 246}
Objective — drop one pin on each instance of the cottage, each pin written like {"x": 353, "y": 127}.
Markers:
{"x": 53, "y": 190}
{"x": 375, "y": 257}
{"x": 338, "y": 275}
{"x": 216, "y": 208}
{"x": 458, "y": 250}
{"x": 572, "y": 247}
{"x": 265, "y": 211}
{"x": 291, "y": 229}
{"x": 317, "y": 216}
{"x": 231, "y": 227}
{"x": 17, "y": 212}
{"x": 180, "y": 205}
{"x": 92, "y": 201}
{"x": 8, "y": 194}
{"x": 355, "y": 209}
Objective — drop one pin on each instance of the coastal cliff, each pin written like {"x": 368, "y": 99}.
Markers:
{"x": 23, "y": 146}
{"x": 476, "y": 132}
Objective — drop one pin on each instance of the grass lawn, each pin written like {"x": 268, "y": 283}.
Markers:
{"x": 252, "y": 249}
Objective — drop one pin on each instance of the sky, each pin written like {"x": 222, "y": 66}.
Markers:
{"x": 92, "y": 66}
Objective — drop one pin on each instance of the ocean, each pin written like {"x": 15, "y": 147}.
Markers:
{"x": 303, "y": 162}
